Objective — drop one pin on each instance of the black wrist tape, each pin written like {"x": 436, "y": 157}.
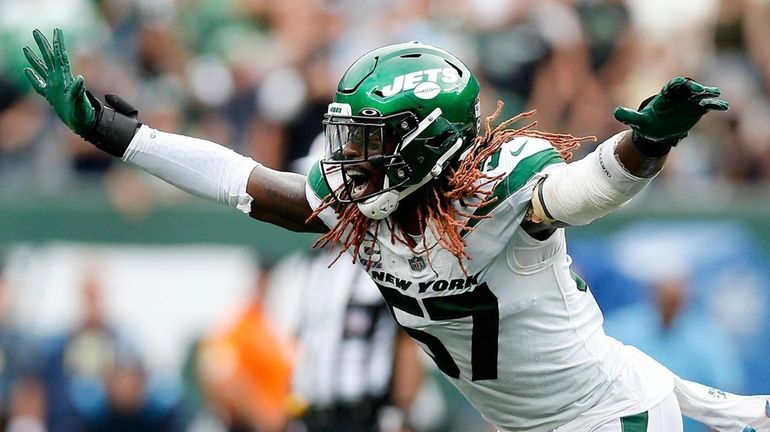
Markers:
{"x": 650, "y": 148}
{"x": 115, "y": 124}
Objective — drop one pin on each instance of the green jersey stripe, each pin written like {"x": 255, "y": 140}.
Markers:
{"x": 635, "y": 423}
{"x": 317, "y": 183}
{"x": 521, "y": 174}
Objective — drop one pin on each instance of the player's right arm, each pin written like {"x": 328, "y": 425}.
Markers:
{"x": 284, "y": 193}
{"x": 200, "y": 167}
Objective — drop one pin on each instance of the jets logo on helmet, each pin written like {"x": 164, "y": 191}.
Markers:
{"x": 422, "y": 80}
{"x": 402, "y": 112}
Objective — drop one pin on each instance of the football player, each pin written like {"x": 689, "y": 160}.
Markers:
{"x": 460, "y": 225}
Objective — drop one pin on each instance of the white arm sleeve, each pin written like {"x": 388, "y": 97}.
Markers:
{"x": 194, "y": 165}
{"x": 581, "y": 191}
{"x": 723, "y": 411}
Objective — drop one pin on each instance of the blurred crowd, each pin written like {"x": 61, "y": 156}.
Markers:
{"x": 88, "y": 377}
{"x": 309, "y": 350}
{"x": 256, "y": 75}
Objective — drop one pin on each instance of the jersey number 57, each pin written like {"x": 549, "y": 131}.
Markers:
{"x": 479, "y": 304}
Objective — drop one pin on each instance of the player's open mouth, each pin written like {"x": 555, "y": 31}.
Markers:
{"x": 360, "y": 181}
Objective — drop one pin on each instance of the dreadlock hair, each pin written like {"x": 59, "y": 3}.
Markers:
{"x": 462, "y": 182}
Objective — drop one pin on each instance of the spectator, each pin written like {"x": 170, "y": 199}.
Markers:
{"x": 78, "y": 359}
{"x": 22, "y": 401}
{"x": 680, "y": 336}
{"x": 126, "y": 401}
{"x": 245, "y": 368}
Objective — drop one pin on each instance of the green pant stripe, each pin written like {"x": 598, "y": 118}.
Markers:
{"x": 634, "y": 423}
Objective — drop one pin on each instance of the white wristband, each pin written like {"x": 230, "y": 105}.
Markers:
{"x": 203, "y": 168}
{"x": 581, "y": 191}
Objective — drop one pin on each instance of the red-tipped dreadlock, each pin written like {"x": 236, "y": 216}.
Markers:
{"x": 464, "y": 183}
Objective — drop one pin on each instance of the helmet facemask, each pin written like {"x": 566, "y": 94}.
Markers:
{"x": 364, "y": 149}
{"x": 372, "y": 148}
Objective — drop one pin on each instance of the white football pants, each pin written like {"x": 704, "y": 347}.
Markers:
{"x": 664, "y": 417}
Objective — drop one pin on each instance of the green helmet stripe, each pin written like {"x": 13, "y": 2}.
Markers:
{"x": 521, "y": 174}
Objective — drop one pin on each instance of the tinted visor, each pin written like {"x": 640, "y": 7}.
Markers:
{"x": 350, "y": 141}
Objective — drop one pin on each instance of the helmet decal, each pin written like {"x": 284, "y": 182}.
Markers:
{"x": 336, "y": 108}
{"x": 412, "y": 80}
{"x": 427, "y": 90}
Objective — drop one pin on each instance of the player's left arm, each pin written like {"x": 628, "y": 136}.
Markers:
{"x": 579, "y": 192}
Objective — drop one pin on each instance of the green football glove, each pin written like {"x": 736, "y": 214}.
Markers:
{"x": 52, "y": 79}
{"x": 664, "y": 119}
{"x": 110, "y": 126}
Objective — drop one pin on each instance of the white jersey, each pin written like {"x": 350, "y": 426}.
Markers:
{"x": 520, "y": 335}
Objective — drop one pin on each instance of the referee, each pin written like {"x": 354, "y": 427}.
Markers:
{"x": 357, "y": 371}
